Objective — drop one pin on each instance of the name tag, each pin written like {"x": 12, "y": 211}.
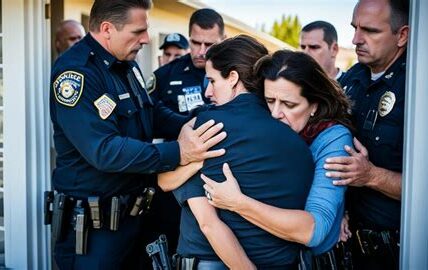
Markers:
{"x": 175, "y": 83}
{"x": 124, "y": 96}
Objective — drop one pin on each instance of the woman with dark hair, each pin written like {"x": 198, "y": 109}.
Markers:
{"x": 299, "y": 94}
{"x": 273, "y": 163}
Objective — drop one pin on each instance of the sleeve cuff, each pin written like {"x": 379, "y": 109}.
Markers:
{"x": 317, "y": 234}
{"x": 169, "y": 153}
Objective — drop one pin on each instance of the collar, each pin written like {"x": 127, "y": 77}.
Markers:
{"x": 364, "y": 74}
{"x": 338, "y": 74}
{"x": 188, "y": 65}
{"x": 242, "y": 100}
{"x": 100, "y": 51}
{"x": 395, "y": 69}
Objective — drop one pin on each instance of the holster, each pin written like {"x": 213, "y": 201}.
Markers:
{"x": 158, "y": 252}
{"x": 47, "y": 203}
{"x": 59, "y": 209}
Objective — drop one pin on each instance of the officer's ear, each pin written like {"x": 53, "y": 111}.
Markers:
{"x": 233, "y": 78}
{"x": 403, "y": 35}
{"x": 334, "y": 49}
{"x": 106, "y": 29}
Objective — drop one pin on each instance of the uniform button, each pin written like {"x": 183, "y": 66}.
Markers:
{"x": 377, "y": 138}
{"x": 106, "y": 62}
{"x": 129, "y": 111}
{"x": 368, "y": 95}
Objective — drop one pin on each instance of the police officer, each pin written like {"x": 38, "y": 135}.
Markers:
{"x": 67, "y": 34}
{"x": 101, "y": 115}
{"x": 319, "y": 40}
{"x": 181, "y": 84}
{"x": 374, "y": 170}
{"x": 174, "y": 46}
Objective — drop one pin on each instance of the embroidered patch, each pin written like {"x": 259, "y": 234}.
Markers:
{"x": 68, "y": 88}
{"x": 105, "y": 106}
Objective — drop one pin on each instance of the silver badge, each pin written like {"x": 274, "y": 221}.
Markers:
{"x": 386, "y": 103}
{"x": 151, "y": 84}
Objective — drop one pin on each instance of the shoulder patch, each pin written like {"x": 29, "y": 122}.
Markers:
{"x": 151, "y": 84}
{"x": 68, "y": 88}
{"x": 105, "y": 106}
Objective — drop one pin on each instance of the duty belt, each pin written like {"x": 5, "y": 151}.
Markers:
{"x": 81, "y": 213}
{"x": 383, "y": 244}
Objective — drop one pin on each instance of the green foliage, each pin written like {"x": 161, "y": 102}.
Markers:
{"x": 287, "y": 29}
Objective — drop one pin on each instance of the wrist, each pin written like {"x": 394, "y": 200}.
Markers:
{"x": 240, "y": 203}
{"x": 373, "y": 177}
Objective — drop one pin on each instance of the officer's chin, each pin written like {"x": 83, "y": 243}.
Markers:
{"x": 199, "y": 63}
{"x": 132, "y": 56}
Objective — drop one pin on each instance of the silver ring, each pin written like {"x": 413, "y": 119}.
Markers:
{"x": 208, "y": 196}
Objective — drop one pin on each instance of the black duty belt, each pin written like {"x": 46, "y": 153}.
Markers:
{"x": 379, "y": 245}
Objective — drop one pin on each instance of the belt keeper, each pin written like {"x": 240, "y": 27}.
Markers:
{"x": 95, "y": 211}
{"x": 114, "y": 213}
{"x": 136, "y": 209}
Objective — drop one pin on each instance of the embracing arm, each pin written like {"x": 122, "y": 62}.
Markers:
{"x": 171, "y": 180}
{"x": 221, "y": 238}
{"x": 309, "y": 227}
{"x": 292, "y": 225}
{"x": 288, "y": 224}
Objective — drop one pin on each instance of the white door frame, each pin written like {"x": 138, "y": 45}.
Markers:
{"x": 26, "y": 65}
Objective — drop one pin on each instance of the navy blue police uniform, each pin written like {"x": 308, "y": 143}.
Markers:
{"x": 378, "y": 115}
{"x": 102, "y": 121}
{"x": 271, "y": 163}
{"x": 179, "y": 85}
{"x": 181, "y": 88}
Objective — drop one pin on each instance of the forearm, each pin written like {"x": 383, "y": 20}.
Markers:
{"x": 386, "y": 181}
{"x": 226, "y": 246}
{"x": 171, "y": 180}
{"x": 292, "y": 225}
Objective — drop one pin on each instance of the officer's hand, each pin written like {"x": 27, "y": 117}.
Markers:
{"x": 345, "y": 232}
{"x": 355, "y": 170}
{"x": 224, "y": 195}
{"x": 194, "y": 144}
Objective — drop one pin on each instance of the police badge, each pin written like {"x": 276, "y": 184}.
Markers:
{"x": 386, "y": 103}
{"x": 68, "y": 88}
{"x": 151, "y": 84}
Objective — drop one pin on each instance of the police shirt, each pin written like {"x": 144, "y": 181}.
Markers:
{"x": 271, "y": 163}
{"x": 179, "y": 85}
{"x": 378, "y": 115}
{"x": 101, "y": 117}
